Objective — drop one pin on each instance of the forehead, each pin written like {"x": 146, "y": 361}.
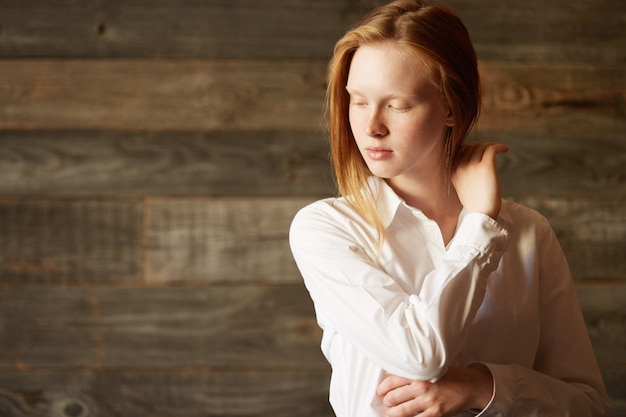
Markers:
{"x": 387, "y": 67}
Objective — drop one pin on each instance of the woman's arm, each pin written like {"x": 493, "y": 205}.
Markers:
{"x": 412, "y": 335}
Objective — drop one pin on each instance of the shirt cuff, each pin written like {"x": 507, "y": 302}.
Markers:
{"x": 478, "y": 412}
{"x": 483, "y": 233}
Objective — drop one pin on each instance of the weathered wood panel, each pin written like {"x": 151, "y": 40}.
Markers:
{"x": 175, "y": 28}
{"x": 228, "y": 327}
{"x": 276, "y": 163}
{"x": 55, "y": 242}
{"x": 183, "y": 100}
{"x": 224, "y": 240}
{"x": 163, "y": 94}
{"x": 189, "y": 393}
{"x": 556, "y": 30}
{"x": 561, "y": 164}
{"x": 113, "y": 164}
{"x": 203, "y": 95}
{"x": 553, "y": 98}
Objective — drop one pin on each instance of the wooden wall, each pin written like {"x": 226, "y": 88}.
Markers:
{"x": 153, "y": 153}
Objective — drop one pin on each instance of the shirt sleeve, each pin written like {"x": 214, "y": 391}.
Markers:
{"x": 411, "y": 335}
{"x": 566, "y": 380}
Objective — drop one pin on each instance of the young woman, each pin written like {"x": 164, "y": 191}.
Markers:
{"x": 436, "y": 297}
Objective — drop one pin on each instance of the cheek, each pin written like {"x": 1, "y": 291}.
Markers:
{"x": 356, "y": 120}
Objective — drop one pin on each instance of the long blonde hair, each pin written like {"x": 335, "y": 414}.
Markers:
{"x": 436, "y": 35}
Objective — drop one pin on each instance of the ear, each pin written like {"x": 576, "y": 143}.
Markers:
{"x": 449, "y": 117}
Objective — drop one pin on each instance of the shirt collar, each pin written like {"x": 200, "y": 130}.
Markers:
{"x": 387, "y": 201}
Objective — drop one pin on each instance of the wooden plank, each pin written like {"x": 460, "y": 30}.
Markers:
{"x": 221, "y": 240}
{"x": 69, "y": 241}
{"x": 112, "y": 164}
{"x": 561, "y": 165}
{"x": 277, "y": 163}
{"x": 546, "y": 98}
{"x": 161, "y": 95}
{"x": 205, "y": 95}
{"x": 558, "y": 30}
{"x": 592, "y": 233}
{"x": 159, "y": 328}
{"x": 501, "y": 29}
{"x": 190, "y": 393}
{"x": 175, "y": 28}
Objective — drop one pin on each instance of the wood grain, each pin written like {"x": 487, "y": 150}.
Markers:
{"x": 553, "y": 98}
{"x": 179, "y": 95}
{"x": 221, "y": 240}
{"x": 189, "y": 393}
{"x": 561, "y": 164}
{"x": 115, "y": 164}
{"x": 55, "y": 242}
{"x": 241, "y": 328}
{"x": 501, "y": 29}
{"x": 175, "y": 28}
{"x": 206, "y": 95}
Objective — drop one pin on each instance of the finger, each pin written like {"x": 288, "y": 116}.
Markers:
{"x": 407, "y": 393}
{"x": 476, "y": 152}
{"x": 390, "y": 383}
{"x": 414, "y": 407}
{"x": 492, "y": 149}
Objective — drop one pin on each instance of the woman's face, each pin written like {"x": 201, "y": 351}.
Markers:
{"x": 397, "y": 114}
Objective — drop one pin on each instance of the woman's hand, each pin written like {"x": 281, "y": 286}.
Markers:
{"x": 475, "y": 178}
{"x": 460, "y": 389}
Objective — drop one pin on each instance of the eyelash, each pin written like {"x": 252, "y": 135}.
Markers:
{"x": 390, "y": 107}
{"x": 399, "y": 109}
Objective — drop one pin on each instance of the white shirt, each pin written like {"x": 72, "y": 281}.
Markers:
{"x": 415, "y": 306}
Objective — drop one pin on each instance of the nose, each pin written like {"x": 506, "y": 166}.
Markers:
{"x": 375, "y": 126}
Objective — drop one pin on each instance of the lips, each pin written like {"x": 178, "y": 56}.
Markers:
{"x": 378, "y": 154}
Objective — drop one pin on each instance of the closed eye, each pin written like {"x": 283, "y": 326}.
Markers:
{"x": 399, "y": 108}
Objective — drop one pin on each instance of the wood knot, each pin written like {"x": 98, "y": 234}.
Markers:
{"x": 101, "y": 29}
{"x": 72, "y": 407}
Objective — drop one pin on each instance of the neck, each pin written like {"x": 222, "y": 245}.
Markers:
{"x": 437, "y": 199}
